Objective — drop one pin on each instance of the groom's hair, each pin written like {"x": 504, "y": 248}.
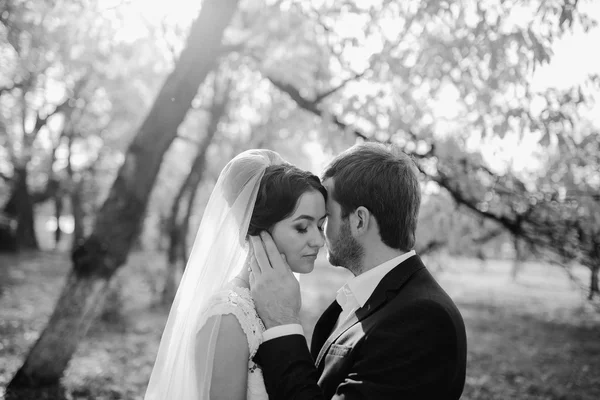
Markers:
{"x": 278, "y": 194}
{"x": 383, "y": 179}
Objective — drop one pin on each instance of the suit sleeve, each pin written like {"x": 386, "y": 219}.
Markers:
{"x": 383, "y": 365}
{"x": 288, "y": 369}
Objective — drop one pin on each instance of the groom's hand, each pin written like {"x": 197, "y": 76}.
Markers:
{"x": 275, "y": 290}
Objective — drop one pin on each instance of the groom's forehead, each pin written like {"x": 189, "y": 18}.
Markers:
{"x": 328, "y": 184}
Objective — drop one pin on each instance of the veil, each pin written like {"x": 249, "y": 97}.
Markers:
{"x": 183, "y": 368}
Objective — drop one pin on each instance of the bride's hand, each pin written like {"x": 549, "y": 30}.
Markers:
{"x": 275, "y": 290}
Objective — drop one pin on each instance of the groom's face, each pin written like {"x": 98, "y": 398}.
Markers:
{"x": 334, "y": 219}
{"x": 343, "y": 250}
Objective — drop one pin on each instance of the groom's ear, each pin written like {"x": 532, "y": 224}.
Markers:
{"x": 360, "y": 220}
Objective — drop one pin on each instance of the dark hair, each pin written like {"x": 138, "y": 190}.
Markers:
{"x": 384, "y": 180}
{"x": 278, "y": 194}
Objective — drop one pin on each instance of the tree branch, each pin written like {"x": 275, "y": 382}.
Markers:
{"x": 526, "y": 225}
{"x": 311, "y": 106}
{"x": 5, "y": 177}
{"x": 334, "y": 89}
{"x": 458, "y": 196}
{"x": 486, "y": 237}
{"x": 40, "y": 122}
{"x": 431, "y": 246}
{"x": 63, "y": 107}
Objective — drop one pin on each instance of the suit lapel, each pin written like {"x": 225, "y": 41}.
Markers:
{"x": 324, "y": 326}
{"x": 387, "y": 288}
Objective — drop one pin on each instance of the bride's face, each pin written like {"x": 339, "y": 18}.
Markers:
{"x": 300, "y": 236}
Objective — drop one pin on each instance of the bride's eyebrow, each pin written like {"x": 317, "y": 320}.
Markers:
{"x": 304, "y": 216}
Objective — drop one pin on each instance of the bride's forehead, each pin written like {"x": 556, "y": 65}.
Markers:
{"x": 311, "y": 202}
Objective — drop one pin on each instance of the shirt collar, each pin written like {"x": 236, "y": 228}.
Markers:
{"x": 361, "y": 287}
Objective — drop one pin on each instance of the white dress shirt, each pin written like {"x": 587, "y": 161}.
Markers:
{"x": 353, "y": 295}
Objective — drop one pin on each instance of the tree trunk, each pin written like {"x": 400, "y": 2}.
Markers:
{"x": 594, "y": 287}
{"x": 176, "y": 254}
{"x": 80, "y": 300}
{"x": 58, "y": 208}
{"x": 20, "y": 207}
{"x": 75, "y": 196}
{"x": 78, "y": 215}
{"x": 120, "y": 218}
{"x": 517, "y": 265}
{"x": 174, "y": 232}
{"x": 185, "y": 226}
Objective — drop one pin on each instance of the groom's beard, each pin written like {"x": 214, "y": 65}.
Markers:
{"x": 345, "y": 251}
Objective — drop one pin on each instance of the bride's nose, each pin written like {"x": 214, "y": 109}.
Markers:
{"x": 317, "y": 239}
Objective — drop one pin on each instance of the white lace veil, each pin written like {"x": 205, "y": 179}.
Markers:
{"x": 183, "y": 368}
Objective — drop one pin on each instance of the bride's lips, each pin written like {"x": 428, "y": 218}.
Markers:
{"x": 312, "y": 256}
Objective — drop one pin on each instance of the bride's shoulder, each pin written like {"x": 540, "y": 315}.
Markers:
{"x": 232, "y": 295}
{"x": 237, "y": 301}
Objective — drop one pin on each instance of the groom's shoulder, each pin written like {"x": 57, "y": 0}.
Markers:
{"x": 424, "y": 291}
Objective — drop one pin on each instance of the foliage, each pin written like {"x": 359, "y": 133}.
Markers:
{"x": 67, "y": 96}
{"x": 419, "y": 73}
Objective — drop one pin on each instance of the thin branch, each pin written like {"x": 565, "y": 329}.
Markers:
{"x": 334, "y": 89}
{"x": 311, "y": 106}
{"x": 431, "y": 246}
{"x": 5, "y": 177}
{"x": 40, "y": 122}
{"x": 486, "y": 237}
{"x": 170, "y": 47}
{"x": 460, "y": 198}
{"x": 64, "y": 107}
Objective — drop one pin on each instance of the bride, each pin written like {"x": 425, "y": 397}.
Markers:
{"x": 213, "y": 330}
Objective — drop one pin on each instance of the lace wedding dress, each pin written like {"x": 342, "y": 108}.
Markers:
{"x": 238, "y": 301}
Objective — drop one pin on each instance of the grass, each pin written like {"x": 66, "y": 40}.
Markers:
{"x": 536, "y": 338}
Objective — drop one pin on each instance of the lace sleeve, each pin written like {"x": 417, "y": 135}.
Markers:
{"x": 240, "y": 304}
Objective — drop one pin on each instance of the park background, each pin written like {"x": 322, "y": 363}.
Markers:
{"x": 116, "y": 118}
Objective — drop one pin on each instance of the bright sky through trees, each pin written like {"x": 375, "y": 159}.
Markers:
{"x": 574, "y": 59}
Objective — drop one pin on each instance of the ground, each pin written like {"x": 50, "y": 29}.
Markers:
{"x": 536, "y": 338}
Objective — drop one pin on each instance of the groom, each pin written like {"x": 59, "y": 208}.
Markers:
{"x": 393, "y": 332}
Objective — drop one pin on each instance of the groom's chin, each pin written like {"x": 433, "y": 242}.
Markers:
{"x": 333, "y": 260}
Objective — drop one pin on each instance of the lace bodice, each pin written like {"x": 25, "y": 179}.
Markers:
{"x": 238, "y": 301}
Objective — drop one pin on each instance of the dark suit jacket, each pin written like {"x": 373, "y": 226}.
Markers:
{"x": 407, "y": 342}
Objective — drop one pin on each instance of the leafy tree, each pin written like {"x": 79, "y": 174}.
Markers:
{"x": 65, "y": 90}
{"x": 119, "y": 219}
{"x": 182, "y": 207}
{"x": 478, "y": 56}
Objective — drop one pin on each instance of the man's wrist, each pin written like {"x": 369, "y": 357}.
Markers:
{"x": 289, "y": 320}
{"x": 282, "y": 330}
